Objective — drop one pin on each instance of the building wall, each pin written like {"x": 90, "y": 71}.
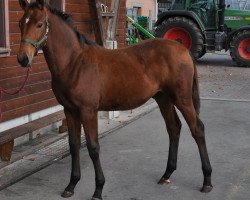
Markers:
{"x": 145, "y": 6}
{"x": 37, "y": 94}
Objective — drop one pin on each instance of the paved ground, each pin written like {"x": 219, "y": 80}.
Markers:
{"x": 134, "y": 157}
{"x": 220, "y": 78}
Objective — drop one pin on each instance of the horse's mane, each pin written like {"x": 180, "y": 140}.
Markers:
{"x": 68, "y": 19}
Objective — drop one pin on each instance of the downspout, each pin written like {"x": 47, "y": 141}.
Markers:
{"x": 156, "y": 10}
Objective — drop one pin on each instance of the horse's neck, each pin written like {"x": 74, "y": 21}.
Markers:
{"x": 62, "y": 46}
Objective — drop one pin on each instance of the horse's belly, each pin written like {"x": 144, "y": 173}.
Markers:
{"x": 122, "y": 104}
{"x": 126, "y": 99}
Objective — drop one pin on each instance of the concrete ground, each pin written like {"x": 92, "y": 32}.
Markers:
{"x": 134, "y": 157}
{"x": 221, "y": 78}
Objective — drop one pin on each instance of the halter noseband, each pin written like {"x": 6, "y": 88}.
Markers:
{"x": 38, "y": 44}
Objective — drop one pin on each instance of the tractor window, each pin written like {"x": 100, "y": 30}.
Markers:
{"x": 177, "y": 5}
{"x": 238, "y": 5}
{"x": 205, "y": 10}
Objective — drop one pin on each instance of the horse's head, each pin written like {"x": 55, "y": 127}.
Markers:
{"x": 34, "y": 28}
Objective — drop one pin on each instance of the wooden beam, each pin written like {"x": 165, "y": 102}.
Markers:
{"x": 6, "y": 150}
{"x": 112, "y": 25}
{"x": 64, "y": 127}
{"x": 9, "y": 135}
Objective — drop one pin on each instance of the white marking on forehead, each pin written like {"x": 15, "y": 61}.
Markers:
{"x": 27, "y": 20}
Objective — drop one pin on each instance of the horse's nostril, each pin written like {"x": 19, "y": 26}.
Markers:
{"x": 23, "y": 60}
{"x": 19, "y": 59}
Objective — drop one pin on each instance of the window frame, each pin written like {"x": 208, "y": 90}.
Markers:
{"x": 5, "y": 48}
{"x": 62, "y": 5}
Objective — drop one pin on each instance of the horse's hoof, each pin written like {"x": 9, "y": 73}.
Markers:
{"x": 67, "y": 194}
{"x": 94, "y": 198}
{"x": 163, "y": 181}
{"x": 206, "y": 188}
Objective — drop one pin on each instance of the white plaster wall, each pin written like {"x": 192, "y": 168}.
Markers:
{"x": 27, "y": 118}
{"x": 145, "y": 5}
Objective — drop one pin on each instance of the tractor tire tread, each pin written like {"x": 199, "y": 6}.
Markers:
{"x": 234, "y": 52}
{"x": 198, "y": 48}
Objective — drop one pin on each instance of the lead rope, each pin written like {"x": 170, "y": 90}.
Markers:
{"x": 4, "y": 91}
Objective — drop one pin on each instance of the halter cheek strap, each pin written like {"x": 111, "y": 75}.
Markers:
{"x": 38, "y": 44}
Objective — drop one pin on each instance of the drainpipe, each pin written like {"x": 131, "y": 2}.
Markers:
{"x": 156, "y": 10}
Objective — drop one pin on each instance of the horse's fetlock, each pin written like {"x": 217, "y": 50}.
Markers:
{"x": 75, "y": 177}
{"x": 207, "y": 170}
{"x": 171, "y": 167}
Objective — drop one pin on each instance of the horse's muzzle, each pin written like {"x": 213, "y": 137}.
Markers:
{"x": 23, "y": 60}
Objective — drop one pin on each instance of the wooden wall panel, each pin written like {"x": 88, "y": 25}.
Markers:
{"x": 37, "y": 93}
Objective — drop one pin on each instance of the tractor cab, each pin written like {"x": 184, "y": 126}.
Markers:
{"x": 208, "y": 26}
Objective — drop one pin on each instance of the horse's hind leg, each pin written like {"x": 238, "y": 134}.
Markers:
{"x": 74, "y": 127}
{"x": 173, "y": 124}
{"x": 184, "y": 103}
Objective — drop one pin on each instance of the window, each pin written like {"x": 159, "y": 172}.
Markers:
{"x": 238, "y": 5}
{"x": 57, "y": 4}
{"x": 4, "y": 28}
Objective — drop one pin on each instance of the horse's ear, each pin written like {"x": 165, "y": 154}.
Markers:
{"x": 23, "y": 4}
{"x": 41, "y": 3}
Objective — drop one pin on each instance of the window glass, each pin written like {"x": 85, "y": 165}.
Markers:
{"x": 58, "y": 4}
{"x": 2, "y": 24}
{"x": 238, "y": 5}
{"x": 4, "y": 28}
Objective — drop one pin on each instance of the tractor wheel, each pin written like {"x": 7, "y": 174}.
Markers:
{"x": 240, "y": 48}
{"x": 184, "y": 31}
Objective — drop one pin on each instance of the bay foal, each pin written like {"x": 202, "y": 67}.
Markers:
{"x": 87, "y": 78}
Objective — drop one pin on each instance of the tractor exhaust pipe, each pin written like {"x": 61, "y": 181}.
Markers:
{"x": 220, "y": 35}
{"x": 222, "y": 6}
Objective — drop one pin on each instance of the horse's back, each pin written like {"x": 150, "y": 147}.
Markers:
{"x": 136, "y": 73}
{"x": 163, "y": 59}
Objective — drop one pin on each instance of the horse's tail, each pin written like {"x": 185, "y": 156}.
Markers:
{"x": 196, "y": 93}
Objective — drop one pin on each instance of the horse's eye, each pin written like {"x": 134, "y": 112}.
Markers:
{"x": 39, "y": 25}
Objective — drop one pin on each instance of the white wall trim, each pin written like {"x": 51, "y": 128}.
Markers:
{"x": 28, "y": 118}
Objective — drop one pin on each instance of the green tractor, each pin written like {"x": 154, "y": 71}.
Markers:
{"x": 208, "y": 26}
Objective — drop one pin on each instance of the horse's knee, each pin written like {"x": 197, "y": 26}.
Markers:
{"x": 93, "y": 149}
{"x": 174, "y": 127}
{"x": 178, "y": 122}
{"x": 74, "y": 150}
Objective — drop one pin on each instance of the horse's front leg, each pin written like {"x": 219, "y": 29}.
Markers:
{"x": 74, "y": 129}
{"x": 90, "y": 125}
